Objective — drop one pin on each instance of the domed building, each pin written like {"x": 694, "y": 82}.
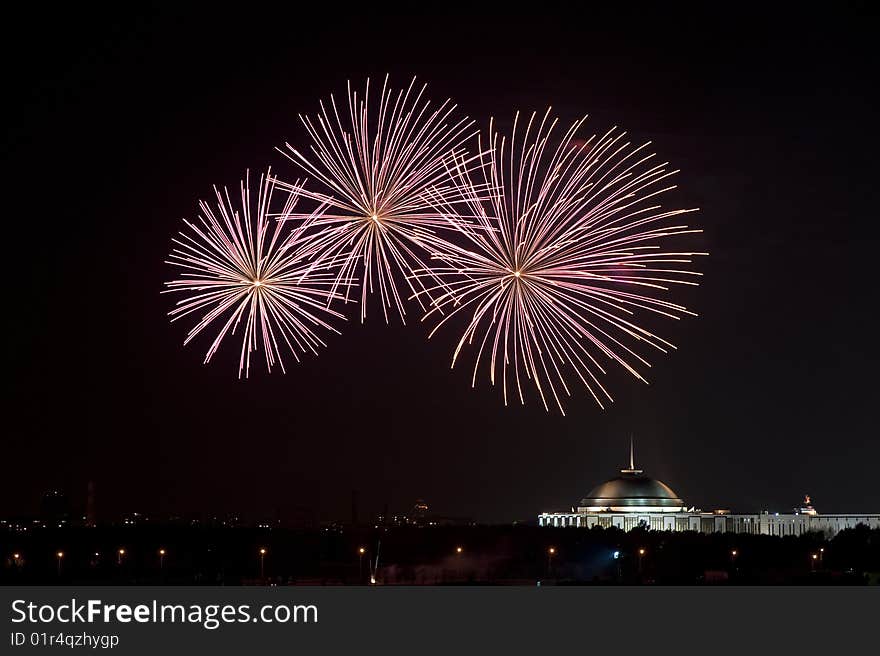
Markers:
{"x": 633, "y": 499}
{"x": 632, "y": 492}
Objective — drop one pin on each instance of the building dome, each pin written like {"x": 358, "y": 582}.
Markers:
{"x": 632, "y": 491}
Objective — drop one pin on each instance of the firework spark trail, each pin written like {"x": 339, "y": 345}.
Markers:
{"x": 239, "y": 271}
{"x": 558, "y": 258}
{"x": 379, "y": 226}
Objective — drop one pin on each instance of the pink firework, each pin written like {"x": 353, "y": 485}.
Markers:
{"x": 375, "y": 169}
{"x": 243, "y": 268}
{"x": 559, "y": 258}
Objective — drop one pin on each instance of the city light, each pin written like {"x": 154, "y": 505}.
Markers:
{"x": 16, "y": 556}
{"x": 458, "y": 550}
{"x": 361, "y": 552}
{"x": 641, "y": 552}
{"x": 262, "y": 562}
{"x": 551, "y": 550}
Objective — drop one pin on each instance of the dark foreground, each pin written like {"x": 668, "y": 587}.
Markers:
{"x": 492, "y": 555}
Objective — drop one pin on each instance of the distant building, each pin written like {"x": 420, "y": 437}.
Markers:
{"x": 134, "y": 519}
{"x": 419, "y": 516}
{"x": 633, "y": 500}
{"x": 54, "y": 508}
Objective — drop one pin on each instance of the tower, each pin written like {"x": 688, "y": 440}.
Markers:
{"x": 632, "y": 463}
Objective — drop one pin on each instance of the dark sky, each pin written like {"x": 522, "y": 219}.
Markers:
{"x": 117, "y": 124}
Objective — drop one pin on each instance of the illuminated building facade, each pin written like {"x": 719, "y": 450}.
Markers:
{"x": 633, "y": 500}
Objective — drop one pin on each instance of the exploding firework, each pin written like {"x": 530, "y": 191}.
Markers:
{"x": 375, "y": 169}
{"x": 559, "y": 258}
{"x": 245, "y": 269}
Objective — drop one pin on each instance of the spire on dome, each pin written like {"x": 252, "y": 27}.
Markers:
{"x": 632, "y": 466}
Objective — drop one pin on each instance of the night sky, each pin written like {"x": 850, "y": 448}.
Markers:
{"x": 117, "y": 124}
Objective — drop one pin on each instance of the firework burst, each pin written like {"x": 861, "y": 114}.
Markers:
{"x": 375, "y": 169}
{"x": 559, "y": 258}
{"x": 244, "y": 268}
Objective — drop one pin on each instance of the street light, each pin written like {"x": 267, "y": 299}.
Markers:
{"x": 821, "y": 554}
{"x": 641, "y": 554}
{"x": 361, "y": 552}
{"x": 262, "y": 561}
{"x": 161, "y": 558}
{"x": 59, "y": 556}
{"x": 458, "y": 551}
{"x": 550, "y": 553}
{"x": 119, "y": 555}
